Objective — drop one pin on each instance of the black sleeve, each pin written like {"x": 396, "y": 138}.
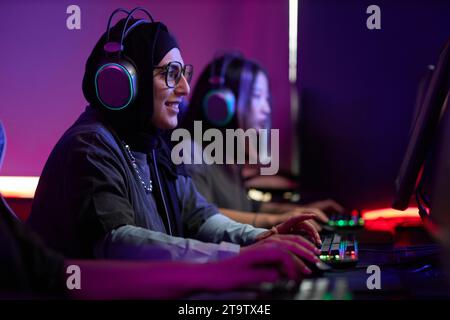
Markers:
{"x": 99, "y": 181}
{"x": 27, "y": 266}
{"x": 83, "y": 193}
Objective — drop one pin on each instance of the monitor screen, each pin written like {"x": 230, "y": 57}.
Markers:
{"x": 423, "y": 131}
{"x": 438, "y": 177}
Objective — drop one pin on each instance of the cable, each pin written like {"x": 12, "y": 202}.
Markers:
{"x": 425, "y": 267}
{"x": 130, "y": 15}
{"x": 108, "y": 28}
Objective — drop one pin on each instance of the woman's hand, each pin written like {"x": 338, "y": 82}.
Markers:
{"x": 270, "y": 220}
{"x": 295, "y": 225}
{"x": 252, "y": 267}
{"x": 284, "y": 237}
{"x": 287, "y": 211}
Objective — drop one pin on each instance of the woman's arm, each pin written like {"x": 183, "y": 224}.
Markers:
{"x": 131, "y": 242}
{"x": 112, "y": 279}
{"x": 103, "y": 279}
{"x": 204, "y": 222}
{"x": 256, "y": 219}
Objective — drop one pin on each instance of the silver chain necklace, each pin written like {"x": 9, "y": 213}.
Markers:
{"x": 148, "y": 188}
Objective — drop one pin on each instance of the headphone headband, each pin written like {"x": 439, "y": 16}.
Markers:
{"x": 108, "y": 27}
{"x": 128, "y": 19}
{"x": 219, "y": 80}
{"x": 118, "y": 46}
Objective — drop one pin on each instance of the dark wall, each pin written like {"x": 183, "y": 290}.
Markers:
{"x": 358, "y": 90}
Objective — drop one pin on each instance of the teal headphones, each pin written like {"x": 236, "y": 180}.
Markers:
{"x": 116, "y": 78}
{"x": 220, "y": 103}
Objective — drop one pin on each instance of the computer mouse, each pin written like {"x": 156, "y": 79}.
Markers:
{"x": 317, "y": 268}
{"x": 322, "y": 266}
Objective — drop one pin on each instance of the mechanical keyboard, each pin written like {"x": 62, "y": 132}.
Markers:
{"x": 339, "y": 250}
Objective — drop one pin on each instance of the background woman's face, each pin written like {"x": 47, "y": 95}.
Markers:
{"x": 166, "y": 101}
{"x": 259, "y": 114}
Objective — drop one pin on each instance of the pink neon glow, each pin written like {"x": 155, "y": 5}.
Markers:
{"x": 386, "y": 213}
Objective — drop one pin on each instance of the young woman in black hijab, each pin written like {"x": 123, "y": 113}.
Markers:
{"x": 110, "y": 181}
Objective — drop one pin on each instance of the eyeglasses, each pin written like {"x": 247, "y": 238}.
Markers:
{"x": 173, "y": 71}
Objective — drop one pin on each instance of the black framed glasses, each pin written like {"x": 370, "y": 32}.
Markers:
{"x": 173, "y": 71}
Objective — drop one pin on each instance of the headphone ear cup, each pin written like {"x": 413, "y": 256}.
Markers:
{"x": 116, "y": 84}
{"x": 219, "y": 106}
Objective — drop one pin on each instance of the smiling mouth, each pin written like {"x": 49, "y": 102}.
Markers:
{"x": 263, "y": 123}
{"x": 173, "y": 104}
{"x": 172, "y": 107}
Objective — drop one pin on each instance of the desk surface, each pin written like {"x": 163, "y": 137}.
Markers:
{"x": 409, "y": 264}
{"x": 409, "y": 268}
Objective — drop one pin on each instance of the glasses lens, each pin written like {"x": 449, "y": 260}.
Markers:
{"x": 173, "y": 74}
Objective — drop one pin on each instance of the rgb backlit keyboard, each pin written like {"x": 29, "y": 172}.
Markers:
{"x": 339, "y": 250}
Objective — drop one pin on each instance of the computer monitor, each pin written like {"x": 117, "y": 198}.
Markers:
{"x": 423, "y": 131}
{"x": 420, "y": 96}
{"x": 437, "y": 218}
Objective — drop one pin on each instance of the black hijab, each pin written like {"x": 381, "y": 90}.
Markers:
{"x": 145, "y": 45}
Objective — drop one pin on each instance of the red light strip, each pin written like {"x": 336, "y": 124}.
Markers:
{"x": 387, "y": 213}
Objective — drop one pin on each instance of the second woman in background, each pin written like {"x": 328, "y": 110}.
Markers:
{"x": 233, "y": 92}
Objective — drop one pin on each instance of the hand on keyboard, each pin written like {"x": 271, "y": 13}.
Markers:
{"x": 253, "y": 267}
{"x": 301, "y": 249}
{"x": 298, "y": 224}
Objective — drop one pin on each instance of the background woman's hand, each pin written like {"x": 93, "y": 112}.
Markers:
{"x": 282, "y": 212}
{"x": 317, "y": 216}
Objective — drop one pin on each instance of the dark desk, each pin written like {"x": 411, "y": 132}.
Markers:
{"x": 409, "y": 263}
{"x": 410, "y": 268}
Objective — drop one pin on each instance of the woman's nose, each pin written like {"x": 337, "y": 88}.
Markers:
{"x": 265, "y": 108}
{"x": 182, "y": 88}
